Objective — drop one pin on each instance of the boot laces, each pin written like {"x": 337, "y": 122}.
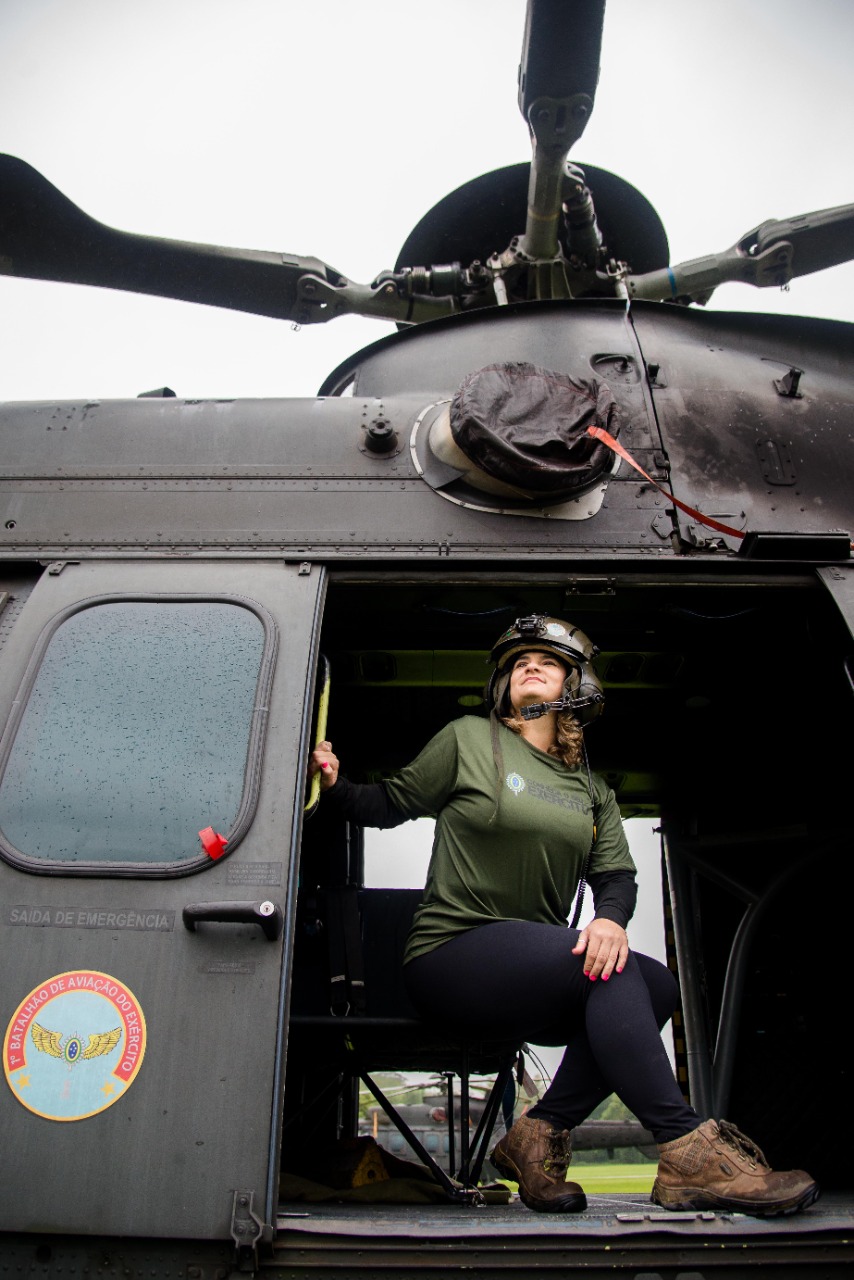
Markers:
{"x": 558, "y": 1152}
{"x": 743, "y": 1145}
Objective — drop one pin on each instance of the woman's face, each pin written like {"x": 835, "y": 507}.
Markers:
{"x": 536, "y": 676}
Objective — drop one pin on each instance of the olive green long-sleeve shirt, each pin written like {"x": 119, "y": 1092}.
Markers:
{"x": 521, "y": 860}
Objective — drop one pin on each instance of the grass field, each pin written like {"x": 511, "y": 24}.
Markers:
{"x": 596, "y": 1179}
{"x": 636, "y": 1178}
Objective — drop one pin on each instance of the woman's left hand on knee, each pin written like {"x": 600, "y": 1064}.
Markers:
{"x": 607, "y": 948}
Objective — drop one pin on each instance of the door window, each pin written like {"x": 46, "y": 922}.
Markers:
{"x": 139, "y": 726}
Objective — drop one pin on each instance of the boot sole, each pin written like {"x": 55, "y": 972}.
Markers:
{"x": 688, "y": 1199}
{"x": 576, "y": 1203}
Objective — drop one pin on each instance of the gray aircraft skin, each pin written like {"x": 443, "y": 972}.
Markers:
{"x": 194, "y": 592}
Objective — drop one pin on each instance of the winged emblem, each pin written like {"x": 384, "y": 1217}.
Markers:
{"x": 71, "y": 1049}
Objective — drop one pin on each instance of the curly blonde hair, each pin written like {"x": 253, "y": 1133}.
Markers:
{"x": 568, "y": 746}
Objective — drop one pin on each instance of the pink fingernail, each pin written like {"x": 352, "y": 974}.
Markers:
{"x": 324, "y": 765}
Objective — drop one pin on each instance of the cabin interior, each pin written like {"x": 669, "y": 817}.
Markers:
{"x": 729, "y": 710}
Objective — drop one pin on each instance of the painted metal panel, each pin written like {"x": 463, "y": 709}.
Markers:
{"x": 187, "y": 1112}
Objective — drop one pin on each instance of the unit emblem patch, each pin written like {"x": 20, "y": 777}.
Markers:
{"x": 74, "y": 1045}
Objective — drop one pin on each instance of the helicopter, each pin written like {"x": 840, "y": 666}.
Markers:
{"x": 197, "y": 589}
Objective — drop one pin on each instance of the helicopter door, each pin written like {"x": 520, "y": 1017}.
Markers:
{"x": 151, "y": 790}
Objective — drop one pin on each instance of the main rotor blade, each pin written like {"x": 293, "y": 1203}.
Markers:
{"x": 820, "y": 240}
{"x": 44, "y": 236}
{"x": 560, "y": 50}
{"x": 558, "y": 75}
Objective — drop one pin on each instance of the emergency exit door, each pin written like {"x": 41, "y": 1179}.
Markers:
{"x": 151, "y": 788}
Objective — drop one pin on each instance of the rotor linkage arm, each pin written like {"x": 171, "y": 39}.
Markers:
{"x": 697, "y": 279}
{"x": 771, "y": 254}
{"x": 555, "y": 125}
{"x": 390, "y": 297}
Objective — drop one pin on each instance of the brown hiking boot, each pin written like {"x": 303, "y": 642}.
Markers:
{"x": 536, "y": 1155}
{"x": 717, "y": 1167}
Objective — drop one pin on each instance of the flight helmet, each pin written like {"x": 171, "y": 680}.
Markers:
{"x": 582, "y": 694}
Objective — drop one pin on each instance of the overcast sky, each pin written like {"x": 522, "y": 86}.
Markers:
{"x": 330, "y": 128}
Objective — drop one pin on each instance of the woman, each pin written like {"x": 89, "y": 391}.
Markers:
{"x": 521, "y": 824}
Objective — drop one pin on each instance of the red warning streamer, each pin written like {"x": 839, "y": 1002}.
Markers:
{"x": 599, "y": 433}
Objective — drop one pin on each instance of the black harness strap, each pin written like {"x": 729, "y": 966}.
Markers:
{"x": 346, "y": 964}
{"x": 582, "y": 880}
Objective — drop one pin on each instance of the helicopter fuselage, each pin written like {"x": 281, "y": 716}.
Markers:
{"x": 154, "y": 549}
{"x": 741, "y": 418}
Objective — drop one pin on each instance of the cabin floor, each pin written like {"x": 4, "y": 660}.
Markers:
{"x": 616, "y": 1233}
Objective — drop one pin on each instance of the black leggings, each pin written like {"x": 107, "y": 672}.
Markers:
{"x": 521, "y": 980}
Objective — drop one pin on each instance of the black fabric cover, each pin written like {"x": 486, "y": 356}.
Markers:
{"x": 527, "y": 427}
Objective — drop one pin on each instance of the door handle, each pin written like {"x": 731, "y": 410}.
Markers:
{"x": 267, "y": 915}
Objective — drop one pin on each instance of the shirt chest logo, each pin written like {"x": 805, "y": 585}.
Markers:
{"x": 542, "y": 791}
